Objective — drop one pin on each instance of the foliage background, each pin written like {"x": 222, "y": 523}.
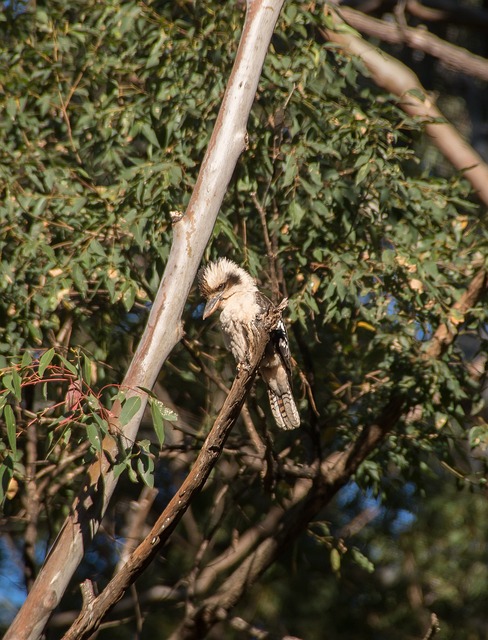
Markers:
{"x": 106, "y": 110}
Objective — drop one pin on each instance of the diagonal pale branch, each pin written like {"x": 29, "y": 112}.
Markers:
{"x": 92, "y": 614}
{"x": 398, "y": 79}
{"x": 191, "y": 233}
{"x": 452, "y": 55}
{"x": 450, "y": 11}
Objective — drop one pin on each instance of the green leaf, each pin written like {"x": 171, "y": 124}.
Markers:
{"x": 145, "y": 467}
{"x": 97, "y": 249}
{"x": 11, "y": 428}
{"x": 45, "y": 361}
{"x": 79, "y": 277}
{"x": 119, "y": 468}
{"x": 335, "y": 560}
{"x": 128, "y": 297}
{"x": 102, "y": 424}
{"x": 130, "y": 407}
{"x": 388, "y": 256}
{"x": 149, "y": 134}
{"x": 69, "y": 365}
{"x": 93, "y": 403}
{"x": 6, "y": 474}
{"x": 158, "y": 420}
{"x": 360, "y": 559}
{"x": 12, "y": 382}
{"x": 131, "y": 473}
{"x": 167, "y": 413}
{"x": 26, "y": 359}
{"x": 363, "y": 172}
{"x": 87, "y": 369}
{"x": 94, "y": 437}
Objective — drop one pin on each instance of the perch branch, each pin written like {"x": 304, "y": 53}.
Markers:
{"x": 90, "y": 618}
{"x": 335, "y": 472}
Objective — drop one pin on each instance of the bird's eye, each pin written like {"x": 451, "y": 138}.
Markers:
{"x": 222, "y": 287}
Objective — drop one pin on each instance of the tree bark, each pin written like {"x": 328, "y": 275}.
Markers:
{"x": 163, "y": 330}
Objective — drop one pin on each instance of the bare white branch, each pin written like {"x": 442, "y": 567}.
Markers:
{"x": 164, "y": 327}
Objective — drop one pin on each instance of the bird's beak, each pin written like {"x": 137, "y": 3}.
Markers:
{"x": 211, "y": 306}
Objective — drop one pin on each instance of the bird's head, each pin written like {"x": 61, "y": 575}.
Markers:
{"x": 220, "y": 280}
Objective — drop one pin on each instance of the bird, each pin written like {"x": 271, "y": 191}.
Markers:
{"x": 231, "y": 289}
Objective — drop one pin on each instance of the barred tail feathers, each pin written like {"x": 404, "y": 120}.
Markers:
{"x": 276, "y": 375}
{"x": 284, "y": 409}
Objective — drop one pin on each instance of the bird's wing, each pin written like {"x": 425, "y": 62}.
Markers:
{"x": 279, "y": 336}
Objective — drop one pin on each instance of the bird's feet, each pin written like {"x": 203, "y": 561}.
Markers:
{"x": 244, "y": 365}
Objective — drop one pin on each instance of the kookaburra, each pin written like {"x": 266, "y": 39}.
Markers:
{"x": 230, "y": 289}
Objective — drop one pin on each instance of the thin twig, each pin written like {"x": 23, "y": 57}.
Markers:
{"x": 270, "y": 254}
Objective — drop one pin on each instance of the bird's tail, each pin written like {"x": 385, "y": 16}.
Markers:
{"x": 284, "y": 409}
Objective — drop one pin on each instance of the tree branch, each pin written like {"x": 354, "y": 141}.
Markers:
{"x": 453, "y": 56}
{"x": 433, "y": 629}
{"x": 334, "y": 473}
{"x": 449, "y": 11}
{"x": 446, "y": 332}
